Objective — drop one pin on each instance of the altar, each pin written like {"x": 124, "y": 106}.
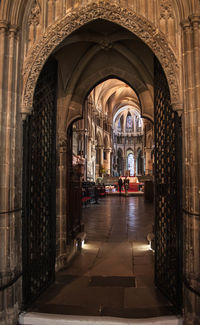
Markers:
{"x": 134, "y": 184}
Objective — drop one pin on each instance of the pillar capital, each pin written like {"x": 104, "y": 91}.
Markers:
{"x": 61, "y": 139}
{"x": 13, "y": 30}
{"x": 3, "y": 24}
{"x": 194, "y": 20}
{"x": 100, "y": 146}
{"x": 178, "y": 107}
{"x": 186, "y": 25}
{"x": 25, "y": 113}
{"x": 108, "y": 149}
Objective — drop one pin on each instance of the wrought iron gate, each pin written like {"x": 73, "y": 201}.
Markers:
{"x": 168, "y": 224}
{"x": 74, "y": 193}
{"x": 39, "y": 187}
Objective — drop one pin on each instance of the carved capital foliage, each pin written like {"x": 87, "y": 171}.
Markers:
{"x": 34, "y": 17}
{"x": 73, "y": 20}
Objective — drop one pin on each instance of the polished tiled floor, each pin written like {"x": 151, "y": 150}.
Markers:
{"x": 114, "y": 273}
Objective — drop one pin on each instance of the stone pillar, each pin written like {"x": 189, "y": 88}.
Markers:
{"x": 124, "y": 167}
{"x": 107, "y": 164}
{"x": 148, "y": 161}
{"x": 10, "y": 177}
{"x": 135, "y": 165}
{"x": 61, "y": 195}
{"x": 89, "y": 153}
{"x": 93, "y": 160}
{"x": 101, "y": 148}
{"x": 191, "y": 171}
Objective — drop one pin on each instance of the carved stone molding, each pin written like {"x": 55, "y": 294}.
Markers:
{"x": 105, "y": 44}
{"x": 61, "y": 139}
{"x": 192, "y": 22}
{"x": 178, "y": 107}
{"x": 3, "y": 24}
{"x": 34, "y": 17}
{"x": 73, "y": 20}
{"x": 185, "y": 25}
{"x": 166, "y": 10}
{"x": 195, "y": 20}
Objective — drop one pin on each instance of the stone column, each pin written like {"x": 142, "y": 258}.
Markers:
{"x": 148, "y": 160}
{"x": 135, "y": 165}
{"x": 107, "y": 165}
{"x": 89, "y": 153}
{"x": 93, "y": 160}
{"x": 89, "y": 157}
{"x": 191, "y": 172}
{"x": 10, "y": 177}
{"x": 61, "y": 195}
{"x": 101, "y": 148}
{"x": 124, "y": 167}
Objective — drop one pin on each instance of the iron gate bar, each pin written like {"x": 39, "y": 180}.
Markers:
{"x": 39, "y": 187}
{"x": 168, "y": 172}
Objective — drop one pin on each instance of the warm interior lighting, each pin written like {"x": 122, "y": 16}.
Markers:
{"x": 141, "y": 247}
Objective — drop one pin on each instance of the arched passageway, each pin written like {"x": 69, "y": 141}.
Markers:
{"x": 142, "y": 74}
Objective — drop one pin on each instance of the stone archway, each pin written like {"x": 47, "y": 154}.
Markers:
{"x": 124, "y": 17}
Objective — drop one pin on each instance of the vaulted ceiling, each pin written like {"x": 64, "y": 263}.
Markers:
{"x": 104, "y": 51}
{"x": 113, "y": 96}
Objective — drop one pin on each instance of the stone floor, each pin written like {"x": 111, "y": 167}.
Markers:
{"x": 113, "y": 275}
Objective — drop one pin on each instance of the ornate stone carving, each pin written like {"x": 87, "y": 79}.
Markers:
{"x": 34, "y": 17}
{"x": 105, "y": 44}
{"x": 166, "y": 10}
{"x": 73, "y": 20}
{"x": 61, "y": 139}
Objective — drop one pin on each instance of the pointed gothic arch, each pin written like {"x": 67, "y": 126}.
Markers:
{"x": 73, "y": 20}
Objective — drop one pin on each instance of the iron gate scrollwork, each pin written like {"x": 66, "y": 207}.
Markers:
{"x": 168, "y": 220}
{"x": 39, "y": 187}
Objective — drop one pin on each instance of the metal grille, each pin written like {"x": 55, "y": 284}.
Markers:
{"x": 39, "y": 217}
{"x": 167, "y": 191}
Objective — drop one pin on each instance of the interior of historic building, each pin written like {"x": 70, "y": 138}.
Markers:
{"x": 100, "y": 155}
{"x": 113, "y": 139}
